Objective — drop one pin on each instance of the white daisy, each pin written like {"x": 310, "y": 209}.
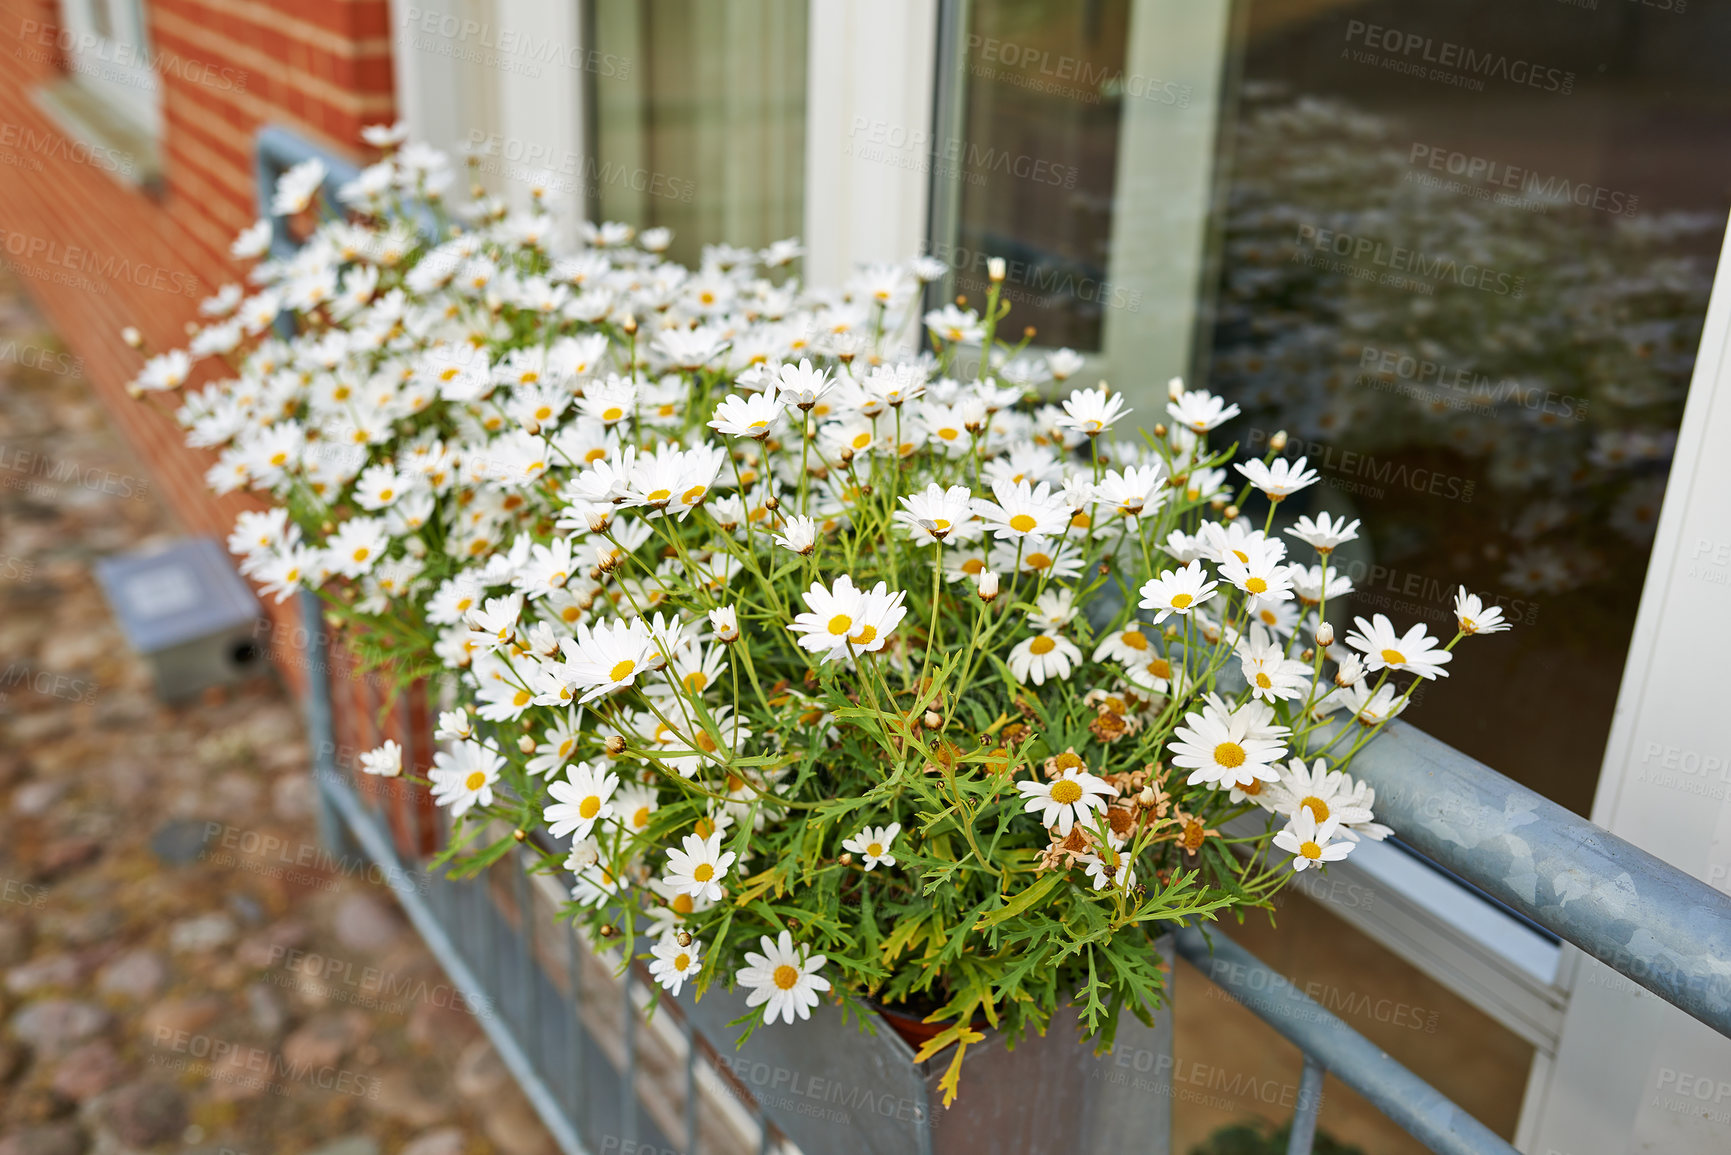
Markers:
{"x": 1280, "y": 479}
{"x": 1091, "y": 411}
{"x": 1200, "y": 411}
{"x": 1176, "y": 591}
{"x": 1218, "y": 747}
{"x": 463, "y": 778}
{"x": 1046, "y": 655}
{"x": 784, "y": 977}
{"x": 1021, "y": 510}
{"x": 1310, "y": 843}
{"x": 1067, "y": 799}
{"x": 755, "y": 415}
{"x": 386, "y": 761}
{"x": 799, "y": 534}
{"x": 1128, "y": 645}
{"x": 698, "y": 869}
{"x": 581, "y": 800}
{"x": 1414, "y": 651}
{"x": 1475, "y": 617}
{"x": 940, "y": 514}
{"x": 673, "y": 964}
{"x": 874, "y": 843}
{"x": 1324, "y": 534}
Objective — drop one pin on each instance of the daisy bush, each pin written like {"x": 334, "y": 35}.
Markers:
{"x": 828, "y": 649}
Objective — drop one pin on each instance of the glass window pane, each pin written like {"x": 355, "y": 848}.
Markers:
{"x": 1460, "y": 252}
{"x": 1032, "y": 169}
{"x": 705, "y": 132}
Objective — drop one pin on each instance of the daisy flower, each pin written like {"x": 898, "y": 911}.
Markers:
{"x": 1091, "y": 411}
{"x": 1475, "y": 617}
{"x": 1260, "y": 573}
{"x": 386, "y": 761}
{"x": 1326, "y": 794}
{"x": 1218, "y": 748}
{"x": 1200, "y": 411}
{"x": 698, "y": 869}
{"x": 1324, "y": 534}
{"x": 846, "y": 619}
{"x": 1105, "y": 874}
{"x": 802, "y": 387}
{"x": 610, "y": 657}
{"x": 1414, "y": 651}
{"x": 783, "y": 976}
{"x": 1022, "y": 510}
{"x": 1309, "y": 842}
{"x": 799, "y": 534}
{"x": 1047, "y": 655}
{"x": 873, "y": 844}
{"x": 1128, "y": 645}
{"x": 1281, "y": 479}
{"x": 672, "y": 964}
{"x": 1136, "y": 492}
{"x": 724, "y": 620}
{"x": 939, "y": 514}
{"x": 754, "y": 415}
{"x": 1064, "y": 363}
{"x": 581, "y": 801}
{"x": 463, "y": 778}
{"x": 1176, "y": 591}
{"x": 1271, "y": 674}
{"x": 633, "y": 807}
{"x": 1067, "y": 799}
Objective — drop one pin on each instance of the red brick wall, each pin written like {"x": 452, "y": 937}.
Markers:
{"x": 97, "y": 254}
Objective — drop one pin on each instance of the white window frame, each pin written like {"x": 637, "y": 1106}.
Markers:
{"x": 114, "y": 64}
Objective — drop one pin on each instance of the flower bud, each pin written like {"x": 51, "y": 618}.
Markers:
{"x": 526, "y": 744}
{"x": 988, "y": 587}
{"x": 133, "y": 338}
{"x": 615, "y": 745}
{"x": 1175, "y": 388}
{"x": 1278, "y": 441}
{"x": 683, "y": 938}
{"x": 995, "y": 269}
{"x": 1324, "y": 634}
{"x": 1231, "y": 512}
{"x": 933, "y": 720}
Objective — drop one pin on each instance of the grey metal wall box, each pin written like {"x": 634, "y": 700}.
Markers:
{"x": 187, "y": 612}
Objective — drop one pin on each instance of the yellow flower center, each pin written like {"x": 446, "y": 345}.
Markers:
{"x": 594, "y": 455}
{"x": 866, "y": 636}
{"x": 521, "y": 698}
{"x": 1252, "y": 788}
{"x": 640, "y": 817}
{"x": 612, "y": 413}
{"x": 1042, "y": 645}
{"x": 1080, "y": 520}
{"x": 696, "y": 681}
{"x": 621, "y": 670}
{"x": 1160, "y": 668}
{"x": 681, "y": 961}
{"x": 1263, "y": 681}
{"x": 1318, "y": 807}
{"x": 875, "y": 850}
{"x": 1256, "y": 586}
{"x": 704, "y": 872}
{"x": 1310, "y": 850}
{"x": 1022, "y": 523}
{"x": 1068, "y": 760}
{"x": 1135, "y": 639}
{"x": 1181, "y": 601}
{"x": 1038, "y": 560}
{"x": 693, "y": 495}
{"x": 658, "y": 495}
{"x": 1229, "y": 755}
{"x": 1393, "y": 658}
{"x": 840, "y": 624}
{"x": 973, "y": 566}
{"x": 590, "y": 807}
{"x": 1066, "y": 792}
{"x": 475, "y": 780}
{"x": 786, "y": 977}
{"x": 704, "y": 742}
{"x": 682, "y": 904}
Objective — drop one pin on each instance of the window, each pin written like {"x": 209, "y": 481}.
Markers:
{"x": 107, "y": 47}
{"x": 704, "y": 131}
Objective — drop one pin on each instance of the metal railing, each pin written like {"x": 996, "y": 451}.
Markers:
{"x": 573, "y": 1029}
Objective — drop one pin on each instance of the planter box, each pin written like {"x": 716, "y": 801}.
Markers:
{"x": 835, "y": 1090}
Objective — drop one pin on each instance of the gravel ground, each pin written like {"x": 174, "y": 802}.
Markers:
{"x": 182, "y": 968}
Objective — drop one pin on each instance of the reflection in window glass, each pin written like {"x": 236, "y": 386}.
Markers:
{"x": 1031, "y": 171}
{"x": 1467, "y": 253}
{"x": 703, "y": 131}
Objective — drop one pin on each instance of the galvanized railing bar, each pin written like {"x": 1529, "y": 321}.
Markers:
{"x": 1309, "y": 1106}
{"x": 1419, "y": 1108}
{"x": 1642, "y": 917}
{"x": 628, "y": 1074}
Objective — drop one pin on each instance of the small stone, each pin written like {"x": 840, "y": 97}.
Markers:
{"x": 64, "y": 854}
{"x": 365, "y": 922}
{"x": 172, "y": 1016}
{"x": 55, "y": 971}
{"x": 204, "y": 933}
{"x": 135, "y": 974}
{"x": 325, "y": 1039}
{"x": 399, "y": 1098}
{"x": 444, "y": 1141}
{"x": 17, "y": 937}
{"x": 271, "y": 946}
{"x": 57, "y": 1139}
{"x": 54, "y": 1026}
{"x": 34, "y": 799}
{"x": 87, "y": 1071}
{"x": 143, "y": 1114}
{"x": 246, "y": 908}
{"x": 480, "y": 1073}
{"x": 515, "y": 1129}
{"x": 180, "y": 841}
{"x": 83, "y": 928}
{"x": 264, "y": 1007}
{"x": 235, "y": 1076}
{"x": 349, "y": 1145}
